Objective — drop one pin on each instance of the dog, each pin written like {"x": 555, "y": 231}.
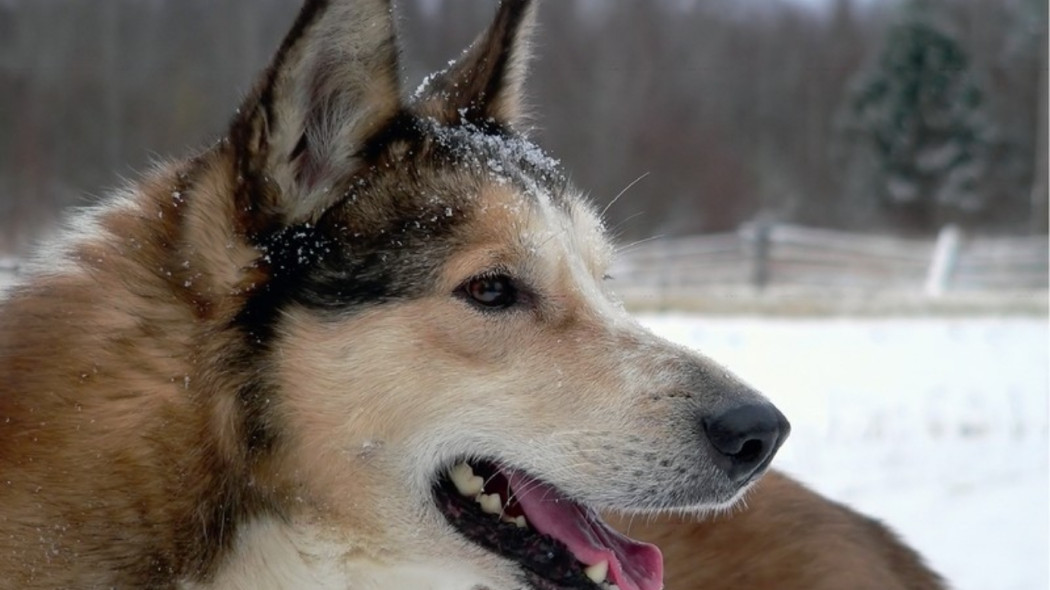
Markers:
{"x": 361, "y": 342}
{"x": 364, "y": 342}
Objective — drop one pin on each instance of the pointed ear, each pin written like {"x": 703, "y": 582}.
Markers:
{"x": 332, "y": 84}
{"x": 484, "y": 85}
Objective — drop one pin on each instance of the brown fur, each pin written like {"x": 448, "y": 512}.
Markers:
{"x": 783, "y": 536}
{"x": 107, "y": 403}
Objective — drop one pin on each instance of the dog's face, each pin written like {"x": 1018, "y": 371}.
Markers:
{"x": 455, "y": 387}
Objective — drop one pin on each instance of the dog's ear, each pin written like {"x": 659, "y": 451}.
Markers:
{"x": 484, "y": 86}
{"x": 331, "y": 86}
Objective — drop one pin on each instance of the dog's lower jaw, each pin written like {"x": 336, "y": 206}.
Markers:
{"x": 273, "y": 555}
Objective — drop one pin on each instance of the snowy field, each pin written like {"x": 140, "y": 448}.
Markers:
{"x": 936, "y": 426}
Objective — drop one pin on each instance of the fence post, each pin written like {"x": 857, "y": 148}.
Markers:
{"x": 760, "y": 230}
{"x": 945, "y": 251}
{"x": 663, "y": 257}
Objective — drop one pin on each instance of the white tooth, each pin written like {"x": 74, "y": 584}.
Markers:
{"x": 597, "y": 572}
{"x": 519, "y": 521}
{"x": 612, "y": 587}
{"x": 465, "y": 481}
{"x": 490, "y": 503}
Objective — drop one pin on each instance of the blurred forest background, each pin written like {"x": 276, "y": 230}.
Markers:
{"x": 863, "y": 116}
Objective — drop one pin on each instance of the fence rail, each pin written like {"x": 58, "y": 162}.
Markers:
{"x": 793, "y": 257}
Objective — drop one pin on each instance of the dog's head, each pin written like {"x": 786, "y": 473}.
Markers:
{"x": 454, "y": 382}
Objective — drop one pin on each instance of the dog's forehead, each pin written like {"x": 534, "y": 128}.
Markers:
{"x": 524, "y": 192}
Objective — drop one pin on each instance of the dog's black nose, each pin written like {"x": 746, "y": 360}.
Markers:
{"x": 746, "y": 437}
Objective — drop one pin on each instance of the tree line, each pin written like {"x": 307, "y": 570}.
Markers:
{"x": 722, "y": 111}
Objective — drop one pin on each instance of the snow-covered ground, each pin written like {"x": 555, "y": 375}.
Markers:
{"x": 939, "y": 427}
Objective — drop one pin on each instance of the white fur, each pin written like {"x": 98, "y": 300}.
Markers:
{"x": 57, "y": 256}
{"x": 271, "y": 555}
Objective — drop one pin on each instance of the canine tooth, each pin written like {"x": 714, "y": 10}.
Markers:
{"x": 598, "y": 571}
{"x": 465, "y": 481}
{"x": 612, "y": 587}
{"x": 490, "y": 503}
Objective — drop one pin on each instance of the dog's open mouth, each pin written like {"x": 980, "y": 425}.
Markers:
{"x": 559, "y": 543}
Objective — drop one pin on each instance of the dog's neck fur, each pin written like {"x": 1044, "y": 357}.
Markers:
{"x": 273, "y": 555}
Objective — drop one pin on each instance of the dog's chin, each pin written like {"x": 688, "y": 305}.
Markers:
{"x": 555, "y": 541}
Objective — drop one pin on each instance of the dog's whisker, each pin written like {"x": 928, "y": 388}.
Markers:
{"x": 620, "y": 194}
{"x": 614, "y": 231}
{"x": 628, "y": 247}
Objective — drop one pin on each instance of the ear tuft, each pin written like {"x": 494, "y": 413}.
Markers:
{"x": 332, "y": 84}
{"x": 485, "y": 85}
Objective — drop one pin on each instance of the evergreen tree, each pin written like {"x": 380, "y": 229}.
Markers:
{"x": 918, "y": 121}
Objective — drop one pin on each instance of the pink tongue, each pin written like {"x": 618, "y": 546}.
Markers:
{"x": 632, "y": 565}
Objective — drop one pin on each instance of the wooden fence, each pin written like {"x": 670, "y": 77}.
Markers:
{"x": 761, "y": 257}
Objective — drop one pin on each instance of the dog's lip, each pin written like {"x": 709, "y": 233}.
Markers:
{"x": 633, "y": 565}
{"x": 560, "y": 543}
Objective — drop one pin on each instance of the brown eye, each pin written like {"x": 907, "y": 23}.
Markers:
{"x": 491, "y": 292}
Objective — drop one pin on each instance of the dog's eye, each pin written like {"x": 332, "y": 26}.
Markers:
{"x": 491, "y": 292}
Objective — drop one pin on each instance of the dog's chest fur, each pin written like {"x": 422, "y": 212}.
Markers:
{"x": 271, "y": 555}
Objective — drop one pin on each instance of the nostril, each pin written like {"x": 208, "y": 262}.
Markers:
{"x": 745, "y": 438}
{"x": 752, "y": 450}
{"x": 742, "y": 431}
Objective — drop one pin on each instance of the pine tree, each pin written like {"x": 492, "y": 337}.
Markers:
{"x": 918, "y": 121}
